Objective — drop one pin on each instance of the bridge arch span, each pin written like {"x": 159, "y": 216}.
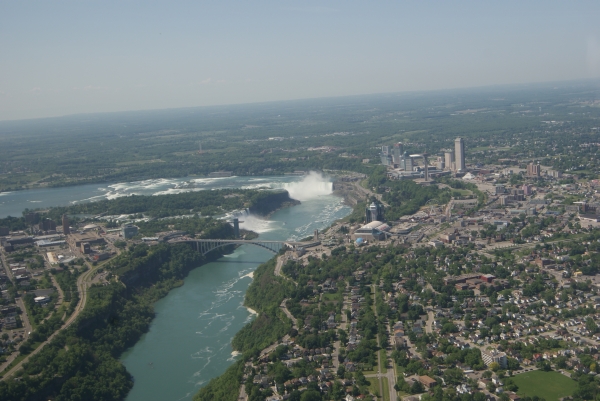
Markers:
{"x": 206, "y": 246}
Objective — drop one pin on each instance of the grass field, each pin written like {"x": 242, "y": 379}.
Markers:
{"x": 549, "y": 385}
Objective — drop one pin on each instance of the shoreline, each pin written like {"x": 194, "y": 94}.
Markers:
{"x": 252, "y": 311}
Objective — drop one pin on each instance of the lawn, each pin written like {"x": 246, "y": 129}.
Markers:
{"x": 386, "y": 390}
{"x": 335, "y": 296}
{"x": 374, "y": 387}
{"x": 549, "y": 385}
{"x": 383, "y": 356}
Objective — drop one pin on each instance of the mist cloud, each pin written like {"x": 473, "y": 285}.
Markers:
{"x": 312, "y": 186}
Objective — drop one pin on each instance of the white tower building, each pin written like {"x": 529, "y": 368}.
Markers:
{"x": 459, "y": 154}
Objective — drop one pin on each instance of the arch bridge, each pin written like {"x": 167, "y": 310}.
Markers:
{"x": 205, "y": 246}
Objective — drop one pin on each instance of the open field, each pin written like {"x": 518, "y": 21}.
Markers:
{"x": 549, "y": 385}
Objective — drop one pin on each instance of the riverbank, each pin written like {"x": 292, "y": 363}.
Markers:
{"x": 114, "y": 319}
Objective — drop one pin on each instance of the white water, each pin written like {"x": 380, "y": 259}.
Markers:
{"x": 311, "y": 186}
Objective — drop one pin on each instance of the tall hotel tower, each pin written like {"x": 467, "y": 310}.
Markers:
{"x": 459, "y": 154}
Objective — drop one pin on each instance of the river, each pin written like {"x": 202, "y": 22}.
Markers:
{"x": 189, "y": 341}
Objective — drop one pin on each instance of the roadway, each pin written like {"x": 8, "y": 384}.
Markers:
{"x": 378, "y": 374}
{"x": 368, "y": 193}
{"x": 288, "y": 314}
{"x": 82, "y": 285}
{"x": 429, "y": 324}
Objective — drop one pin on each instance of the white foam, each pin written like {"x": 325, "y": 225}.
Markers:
{"x": 312, "y": 186}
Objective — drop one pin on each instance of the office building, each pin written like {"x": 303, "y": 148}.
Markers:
{"x": 459, "y": 154}
{"x": 129, "y": 231}
{"x": 86, "y": 249}
{"x": 65, "y": 225}
{"x": 449, "y": 160}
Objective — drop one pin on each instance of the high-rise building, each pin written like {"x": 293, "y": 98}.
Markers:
{"x": 408, "y": 162}
{"x": 386, "y": 160}
{"x": 533, "y": 170}
{"x": 441, "y": 163}
{"x": 449, "y": 159}
{"x": 385, "y": 150}
{"x": 374, "y": 212}
{"x": 426, "y": 165}
{"x": 397, "y": 153}
{"x": 47, "y": 225}
{"x": 459, "y": 151}
{"x": 236, "y": 227}
{"x": 491, "y": 356}
{"x": 65, "y": 224}
{"x": 32, "y": 218}
{"x": 129, "y": 231}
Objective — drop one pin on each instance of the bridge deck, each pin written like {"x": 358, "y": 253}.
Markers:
{"x": 207, "y": 245}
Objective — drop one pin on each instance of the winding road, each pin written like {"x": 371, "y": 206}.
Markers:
{"x": 82, "y": 286}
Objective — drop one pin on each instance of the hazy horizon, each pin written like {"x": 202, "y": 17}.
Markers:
{"x": 66, "y": 58}
{"x": 432, "y": 92}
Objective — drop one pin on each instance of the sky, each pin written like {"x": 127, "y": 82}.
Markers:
{"x": 68, "y": 57}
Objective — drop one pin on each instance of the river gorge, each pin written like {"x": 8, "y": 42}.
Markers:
{"x": 189, "y": 341}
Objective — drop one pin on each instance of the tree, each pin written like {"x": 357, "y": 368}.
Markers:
{"x": 453, "y": 376}
{"x": 416, "y": 387}
{"x": 561, "y": 362}
{"x": 512, "y": 364}
{"x": 361, "y": 380}
{"x": 591, "y": 325}
{"x": 545, "y": 366}
{"x": 494, "y": 366}
{"x": 311, "y": 395}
